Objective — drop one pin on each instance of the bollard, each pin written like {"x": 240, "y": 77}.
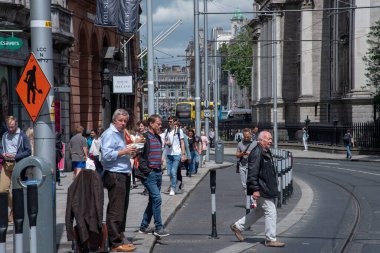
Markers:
{"x": 283, "y": 179}
{"x": 214, "y": 234}
{"x": 18, "y": 219}
{"x": 248, "y": 207}
{"x": 290, "y": 166}
{"x": 247, "y": 204}
{"x": 287, "y": 182}
{"x": 219, "y": 153}
{"x": 3, "y": 220}
{"x": 279, "y": 179}
{"x": 32, "y": 202}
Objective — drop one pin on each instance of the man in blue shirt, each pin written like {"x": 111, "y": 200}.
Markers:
{"x": 117, "y": 179}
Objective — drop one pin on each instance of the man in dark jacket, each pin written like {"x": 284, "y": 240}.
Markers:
{"x": 150, "y": 165}
{"x": 262, "y": 185}
{"x": 14, "y": 146}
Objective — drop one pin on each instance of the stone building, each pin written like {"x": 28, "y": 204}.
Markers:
{"x": 95, "y": 57}
{"x": 172, "y": 87}
{"x": 316, "y": 63}
{"x": 86, "y": 57}
{"x": 230, "y": 93}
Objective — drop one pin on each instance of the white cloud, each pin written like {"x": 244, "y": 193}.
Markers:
{"x": 176, "y": 10}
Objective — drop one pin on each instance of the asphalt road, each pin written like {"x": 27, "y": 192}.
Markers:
{"x": 344, "y": 215}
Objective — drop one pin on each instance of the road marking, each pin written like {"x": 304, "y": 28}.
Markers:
{"x": 329, "y": 163}
{"x": 339, "y": 168}
{"x": 299, "y": 211}
{"x": 358, "y": 171}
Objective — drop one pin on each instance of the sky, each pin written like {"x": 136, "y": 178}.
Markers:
{"x": 167, "y": 12}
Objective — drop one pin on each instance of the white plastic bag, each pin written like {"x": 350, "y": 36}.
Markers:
{"x": 90, "y": 165}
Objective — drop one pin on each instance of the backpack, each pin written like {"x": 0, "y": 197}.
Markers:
{"x": 347, "y": 138}
{"x": 179, "y": 136}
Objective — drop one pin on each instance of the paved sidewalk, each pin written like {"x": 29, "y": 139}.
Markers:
{"x": 170, "y": 204}
{"x": 137, "y": 205}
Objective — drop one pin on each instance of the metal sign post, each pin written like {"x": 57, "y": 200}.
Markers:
{"x": 44, "y": 129}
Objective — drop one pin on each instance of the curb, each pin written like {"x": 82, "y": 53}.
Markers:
{"x": 148, "y": 241}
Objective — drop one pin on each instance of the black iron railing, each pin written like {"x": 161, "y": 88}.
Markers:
{"x": 366, "y": 135}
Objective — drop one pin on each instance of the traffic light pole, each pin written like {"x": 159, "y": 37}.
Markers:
{"x": 206, "y": 83}
{"x": 197, "y": 70}
{"x": 149, "y": 22}
{"x": 44, "y": 128}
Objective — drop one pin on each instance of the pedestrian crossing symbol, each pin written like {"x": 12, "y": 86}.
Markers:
{"x": 33, "y": 87}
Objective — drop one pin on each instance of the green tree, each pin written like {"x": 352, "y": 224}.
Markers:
{"x": 237, "y": 57}
{"x": 372, "y": 60}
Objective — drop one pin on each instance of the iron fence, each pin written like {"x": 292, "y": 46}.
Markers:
{"x": 366, "y": 135}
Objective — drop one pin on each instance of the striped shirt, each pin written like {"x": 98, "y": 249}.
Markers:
{"x": 155, "y": 152}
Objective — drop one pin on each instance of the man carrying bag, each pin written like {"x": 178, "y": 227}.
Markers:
{"x": 244, "y": 147}
{"x": 15, "y": 146}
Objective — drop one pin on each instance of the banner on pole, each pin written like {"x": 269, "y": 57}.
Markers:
{"x": 106, "y": 11}
{"x": 121, "y": 13}
{"x": 129, "y": 16}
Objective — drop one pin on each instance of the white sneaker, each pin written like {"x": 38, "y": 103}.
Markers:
{"x": 172, "y": 193}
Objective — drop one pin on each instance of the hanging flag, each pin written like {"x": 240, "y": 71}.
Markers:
{"x": 129, "y": 16}
{"x": 107, "y": 12}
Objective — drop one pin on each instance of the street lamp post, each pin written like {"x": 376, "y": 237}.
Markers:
{"x": 216, "y": 88}
{"x": 274, "y": 82}
{"x": 207, "y": 94}
{"x": 197, "y": 74}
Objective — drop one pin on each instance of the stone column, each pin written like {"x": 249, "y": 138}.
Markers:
{"x": 306, "y": 50}
{"x": 267, "y": 61}
{"x": 362, "y": 22}
{"x": 86, "y": 90}
{"x": 279, "y": 53}
{"x": 258, "y": 68}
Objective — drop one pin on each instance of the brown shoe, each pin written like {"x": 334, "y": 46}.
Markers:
{"x": 237, "y": 232}
{"x": 124, "y": 248}
{"x": 274, "y": 244}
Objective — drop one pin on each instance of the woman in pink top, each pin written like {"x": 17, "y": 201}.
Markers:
{"x": 205, "y": 142}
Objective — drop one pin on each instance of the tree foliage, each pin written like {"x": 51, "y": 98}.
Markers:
{"x": 372, "y": 60}
{"x": 237, "y": 57}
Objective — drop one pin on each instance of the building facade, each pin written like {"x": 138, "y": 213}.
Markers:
{"x": 172, "y": 87}
{"x": 97, "y": 55}
{"x": 312, "y": 52}
{"x": 86, "y": 57}
{"x": 230, "y": 93}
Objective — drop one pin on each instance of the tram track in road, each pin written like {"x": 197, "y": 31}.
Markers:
{"x": 352, "y": 220}
{"x": 351, "y": 235}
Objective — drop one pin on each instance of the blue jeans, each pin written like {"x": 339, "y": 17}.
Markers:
{"x": 172, "y": 163}
{"x": 193, "y": 168}
{"x": 348, "y": 151}
{"x": 153, "y": 185}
